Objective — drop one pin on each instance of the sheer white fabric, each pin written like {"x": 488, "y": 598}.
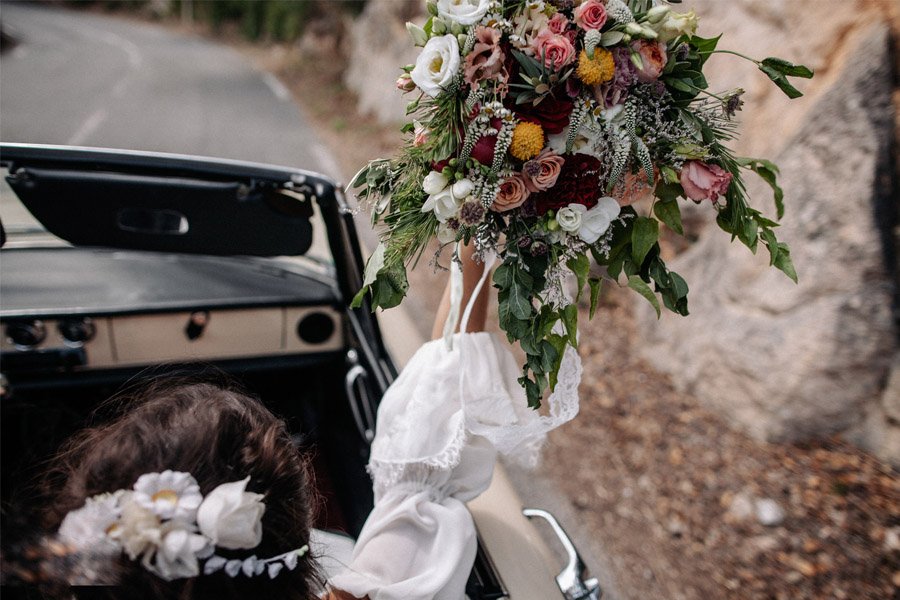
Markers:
{"x": 440, "y": 426}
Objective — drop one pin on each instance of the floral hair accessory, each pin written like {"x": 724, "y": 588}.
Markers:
{"x": 167, "y": 524}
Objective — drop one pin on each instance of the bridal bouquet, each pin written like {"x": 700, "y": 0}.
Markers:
{"x": 553, "y": 132}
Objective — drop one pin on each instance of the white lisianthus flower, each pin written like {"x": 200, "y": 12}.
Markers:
{"x": 232, "y": 517}
{"x": 437, "y": 65}
{"x": 434, "y": 183}
{"x": 596, "y": 221}
{"x": 170, "y": 495}
{"x": 464, "y": 12}
{"x": 447, "y": 201}
{"x": 569, "y": 217}
{"x": 176, "y": 556}
{"x": 674, "y": 25}
{"x": 88, "y": 525}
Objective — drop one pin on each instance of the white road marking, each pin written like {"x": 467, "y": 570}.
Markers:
{"x": 277, "y": 87}
{"x": 87, "y": 128}
{"x": 135, "y": 58}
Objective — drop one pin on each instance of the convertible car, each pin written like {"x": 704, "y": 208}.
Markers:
{"x": 118, "y": 265}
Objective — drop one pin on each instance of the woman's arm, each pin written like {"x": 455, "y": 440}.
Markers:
{"x": 472, "y": 271}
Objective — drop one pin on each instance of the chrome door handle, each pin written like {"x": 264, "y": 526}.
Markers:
{"x": 571, "y": 579}
{"x": 357, "y": 389}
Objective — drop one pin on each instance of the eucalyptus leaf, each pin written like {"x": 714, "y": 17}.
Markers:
{"x": 580, "y": 266}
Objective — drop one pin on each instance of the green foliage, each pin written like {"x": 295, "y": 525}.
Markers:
{"x": 778, "y": 70}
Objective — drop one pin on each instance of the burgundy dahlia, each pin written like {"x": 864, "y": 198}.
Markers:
{"x": 578, "y": 183}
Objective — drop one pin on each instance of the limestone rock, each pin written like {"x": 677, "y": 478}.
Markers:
{"x": 792, "y": 361}
{"x": 380, "y": 47}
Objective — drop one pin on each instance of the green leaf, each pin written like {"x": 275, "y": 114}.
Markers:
{"x": 771, "y": 244}
{"x": 559, "y": 343}
{"x": 704, "y": 46}
{"x": 580, "y": 266}
{"x": 570, "y": 320}
{"x": 638, "y": 285}
{"x": 643, "y": 237}
{"x": 503, "y": 276}
{"x": 779, "y": 79}
{"x": 595, "y": 285}
{"x": 389, "y": 287}
{"x": 611, "y": 38}
{"x": 519, "y": 304}
{"x": 784, "y": 263}
{"x": 358, "y": 298}
{"x": 669, "y": 213}
{"x": 790, "y": 69}
{"x": 768, "y": 171}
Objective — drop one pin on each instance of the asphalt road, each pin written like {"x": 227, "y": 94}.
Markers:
{"x": 90, "y": 80}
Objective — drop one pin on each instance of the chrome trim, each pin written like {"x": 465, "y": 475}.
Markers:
{"x": 571, "y": 579}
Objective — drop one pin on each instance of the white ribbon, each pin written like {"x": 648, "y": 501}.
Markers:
{"x": 456, "y": 286}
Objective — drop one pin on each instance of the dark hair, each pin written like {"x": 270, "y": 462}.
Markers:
{"x": 217, "y": 434}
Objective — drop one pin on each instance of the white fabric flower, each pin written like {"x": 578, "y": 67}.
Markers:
{"x": 170, "y": 494}
{"x": 446, "y": 202}
{"x": 138, "y": 530}
{"x": 569, "y": 217}
{"x": 88, "y": 525}
{"x": 232, "y": 517}
{"x": 464, "y": 12}
{"x": 436, "y": 65}
{"x": 596, "y": 221}
{"x": 434, "y": 183}
{"x": 176, "y": 556}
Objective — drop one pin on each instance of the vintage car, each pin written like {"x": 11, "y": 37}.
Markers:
{"x": 119, "y": 264}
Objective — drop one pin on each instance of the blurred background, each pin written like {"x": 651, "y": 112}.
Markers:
{"x": 747, "y": 451}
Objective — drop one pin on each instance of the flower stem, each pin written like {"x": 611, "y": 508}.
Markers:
{"x": 744, "y": 56}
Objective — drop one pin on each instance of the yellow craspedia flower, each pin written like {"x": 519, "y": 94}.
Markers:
{"x": 597, "y": 70}
{"x": 527, "y": 140}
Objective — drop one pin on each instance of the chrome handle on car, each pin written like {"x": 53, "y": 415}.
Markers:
{"x": 357, "y": 390}
{"x": 571, "y": 579}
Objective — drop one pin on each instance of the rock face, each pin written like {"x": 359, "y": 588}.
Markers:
{"x": 785, "y": 361}
{"x": 380, "y": 47}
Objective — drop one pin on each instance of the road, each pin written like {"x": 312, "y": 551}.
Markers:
{"x": 89, "y": 80}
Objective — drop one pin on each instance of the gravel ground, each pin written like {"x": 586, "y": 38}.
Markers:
{"x": 685, "y": 506}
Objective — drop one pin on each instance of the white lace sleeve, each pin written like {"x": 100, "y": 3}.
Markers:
{"x": 440, "y": 426}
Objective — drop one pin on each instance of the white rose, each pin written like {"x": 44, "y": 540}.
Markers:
{"x": 436, "y": 65}
{"x": 596, "y": 221}
{"x": 434, "y": 183}
{"x": 231, "y": 517}
{"x": 675, "y": 25}
{"x": 464, "y": 12}
{"x": 569, "y": 217}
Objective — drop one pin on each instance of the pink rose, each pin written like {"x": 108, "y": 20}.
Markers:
{"x": 486, "y": 59}
{"x": 590, "y": 15}
{"x": 702, "y": 181}
{"x": 558, "y": 23}
{"x": 420, "y": 135}
{"x": 512, "y": 194}
{"x": 653, "y": 59}
{"x": 556, "y": 50}
{"x": 540, "y": 172}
